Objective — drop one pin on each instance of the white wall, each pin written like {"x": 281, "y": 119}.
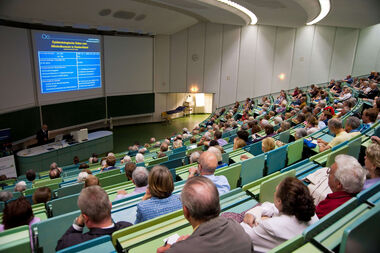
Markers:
{"x": 16, "y": 79}
{"x": 238, "y": 62}
{"x": 367, "y": 56}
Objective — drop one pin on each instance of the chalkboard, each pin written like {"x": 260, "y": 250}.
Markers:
{"x": 73, "y": 113}
{"x": 130, "y": 104}
{"x": 23, "y": 123}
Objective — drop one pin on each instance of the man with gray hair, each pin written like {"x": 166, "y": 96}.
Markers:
{"x": 207, "y": 164}
{"x": 346, "y": 178}
{"x": 95, "y": 208}
{"x": 194, "y": 157}
{"x": 139, "y": 158}
{"x": 139, "y": 179}
{"x": 352, "y": 126}
{"x": 212, "y": 233}
{"x": 335, "y": 127}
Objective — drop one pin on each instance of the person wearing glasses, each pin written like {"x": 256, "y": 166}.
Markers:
{"x": 345, "y": 178}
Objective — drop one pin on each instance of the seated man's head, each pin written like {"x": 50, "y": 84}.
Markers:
{"x": 139, "y": 158}
{"x": 370, "y": 115}
{"x": 95, "y": 206}
{"x": 200, "y": 200}
{"x": 207, "y": 163}
{"x": 164, "y": 147}
{"x": 194, "y": 157}
{"x": 352, "y": 123}
{"x": 216, "y": 152}
{"x": 140, "y": 177}
{"x": 30, "y": 175}
{"x": 54, "y": 173}
{"x": 20, "y": 186}
{"x": 129, "y": 168}
{"x": 41, "y": 195}
{"x": 346, "y": 174}
{"x": 111, "y": 161}
{"x": 335, "y": 125}
{"x": 91, "y": 180}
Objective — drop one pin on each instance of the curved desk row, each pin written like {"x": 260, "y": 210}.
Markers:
{"x": 39, "y": 158}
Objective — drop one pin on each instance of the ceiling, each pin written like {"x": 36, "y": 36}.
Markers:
{"x": 170, "y": 16}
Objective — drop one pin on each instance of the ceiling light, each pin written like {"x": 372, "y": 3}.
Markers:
{"x": 325, "y": 9}
{"x": 247, "y": 12}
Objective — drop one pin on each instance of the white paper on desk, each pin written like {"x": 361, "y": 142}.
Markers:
{"x": 171, "y": 239}
{"x": 315, "y": 142}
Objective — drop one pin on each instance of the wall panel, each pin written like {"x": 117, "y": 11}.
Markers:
{"x": 321, "y": 54}
{"x": 161, "y": 63}
{"x": 264, "y": 60}
{"x": 247, "y": 62}
{"x": 230, "y": 59}
{"x": 283, "y": 58}
{"x": 343, "y": 53}
{"x": 195, "y": 56}
{"x": 178, "y": 62}
{"x": 302, "y": 56}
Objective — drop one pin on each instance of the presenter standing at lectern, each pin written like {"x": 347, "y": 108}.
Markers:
{"x": 43, "y": 135}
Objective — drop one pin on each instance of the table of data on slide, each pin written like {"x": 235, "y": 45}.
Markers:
{"x": 64, "y": 71}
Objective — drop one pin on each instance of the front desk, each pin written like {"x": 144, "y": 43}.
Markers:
{"x": 39, "y": 158}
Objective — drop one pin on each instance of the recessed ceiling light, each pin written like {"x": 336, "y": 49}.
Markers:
{"x": 325, "y": 9}
{"x": 241, "y": 8}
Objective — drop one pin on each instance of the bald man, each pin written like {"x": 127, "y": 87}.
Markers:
{"x": 212, "y": 233}
{"x": 207, "y": 164}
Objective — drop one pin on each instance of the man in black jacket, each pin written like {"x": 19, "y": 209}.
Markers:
{"x": 95, "y": 209}
{"x": 43, "y": 135}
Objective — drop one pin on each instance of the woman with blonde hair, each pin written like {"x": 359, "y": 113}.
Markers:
{"x": 239, "y": 143}
{"x": 268, "y": 144}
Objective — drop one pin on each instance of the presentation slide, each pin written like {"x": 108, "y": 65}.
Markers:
{"x": 68, "y": 62}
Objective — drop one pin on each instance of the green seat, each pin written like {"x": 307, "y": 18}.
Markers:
{"x": 289, "y": 245}
{"x": 268, "y": 187}
{"x": 188, "y": 152}
{"x": 52, "y": 187}
{"x": 276, "y": 159}
{"x": 100, "y": 244}
{"x": 252, "y": 169}
{"x": 15, "y": 240}
{"x": 354, "y": 147}
{"x": 331, "y": 157}
{"x": 225, "y": 158}
{"x": 63, "y": 205}
{"x": 360, "y": 236}
{"x": 158, "y": 160}
{"x": 232, "y": 173}
{"x": 108, "y": 173}
{"x": 45, "y": 182}
{"x": 284, "y": 136}
{"x": 111, "y": 180}
{"x": 47, "y": 233}
{"x": 69, "y": 190}
{"x": 253, "y": 188}
{"x": 295, "y": 150}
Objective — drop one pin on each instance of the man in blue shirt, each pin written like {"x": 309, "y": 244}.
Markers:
{"x": 207, "y": 164}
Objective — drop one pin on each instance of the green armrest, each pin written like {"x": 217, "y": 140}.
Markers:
{"x": 289, "y": 245}
{"x": 15, "y": 240}
{"x": 254, "y": 187}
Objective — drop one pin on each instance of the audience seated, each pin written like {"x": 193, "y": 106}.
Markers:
{"x": 207, "y": 164}
{"x": 140, "y": 180}
{"x": 218, "y": 138}
{"x": 345, "y": 178}
{"x": 41, "y": 195}
{"x": 95, "y": 214}
{"x": 352, "y": 126}
{"x": 336, "y": 128}
{"x": 372, "y": 164}
{"x": 110, "y": 163}
{"x": 212, "y": 233}
{"x": 158, "y": 199}
{"x": 129, "y": 168}
{"x": 194, "y": 157}
{"x": 5, "y": 196}
{"x": 20, "y": 186}
{"x": 271, "y": 224}
{"x": 369, "y": 117}
{"x": 30, "y": 175}
{"x": 54, "y": 173}
{"x": 218, "y": 155}
{"x": 139, "y": 158}
{"x": 268, "y": 144}
{"x": 82, "y": 176}
{"x": 91, "y": 180}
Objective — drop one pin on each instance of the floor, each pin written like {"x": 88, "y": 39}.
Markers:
{"x": 125, "y": 136}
